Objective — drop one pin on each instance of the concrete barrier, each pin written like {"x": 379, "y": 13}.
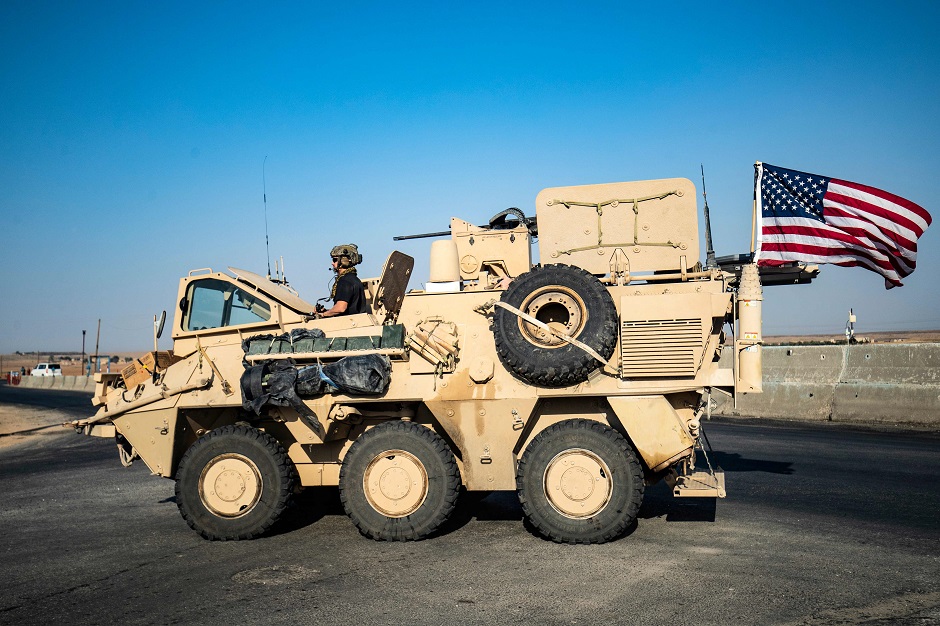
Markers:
{"x": 64, "y": 383}
{"x": 881, "y": 383}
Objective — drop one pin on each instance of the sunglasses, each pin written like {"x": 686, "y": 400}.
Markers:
{"x": 335, "y": 259}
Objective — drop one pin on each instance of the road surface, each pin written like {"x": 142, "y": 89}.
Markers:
{"x": 821, "y": 525}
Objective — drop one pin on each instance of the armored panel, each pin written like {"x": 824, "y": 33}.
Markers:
{"x": 663, "y": 335}
{"x": 394, "y": 282}
{"x": 483, "y": 250}
{"x": 654, "y": 223}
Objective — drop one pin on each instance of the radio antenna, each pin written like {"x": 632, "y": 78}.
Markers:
{"x": 264, "y": 188}
{"x": 709, "y": 251}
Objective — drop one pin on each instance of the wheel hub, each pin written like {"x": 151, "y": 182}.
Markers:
{"x": 230, "y": 485}
{"x": 560, "y": 309}
{"x": 577, "y": 483}
{"x": 395, "y": 483}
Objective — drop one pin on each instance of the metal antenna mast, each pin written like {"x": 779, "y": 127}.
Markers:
{"x": 709, "y": 251}
{"x": 264, "y": 187}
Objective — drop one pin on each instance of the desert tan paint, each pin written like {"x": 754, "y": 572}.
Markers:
{"x": 486, "y": 414}
{"x": 654, "y": 223}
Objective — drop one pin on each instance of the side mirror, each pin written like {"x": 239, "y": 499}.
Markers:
{"x": 158, "y": 324}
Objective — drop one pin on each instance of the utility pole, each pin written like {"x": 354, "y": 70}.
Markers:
{"x": 97, "y": 338}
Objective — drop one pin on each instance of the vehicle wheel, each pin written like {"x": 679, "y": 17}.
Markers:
{"x": 234, "y": 483}
{"x": 399, "y": 482}
{"x": 567, "y": 299}
{"x": 579, "y": 481}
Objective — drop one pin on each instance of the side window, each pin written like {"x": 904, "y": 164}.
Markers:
{"x": 247, "y": 309}
{"x": 217, "y": 303}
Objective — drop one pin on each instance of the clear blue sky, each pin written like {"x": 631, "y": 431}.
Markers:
{"x": 132, "y": 136}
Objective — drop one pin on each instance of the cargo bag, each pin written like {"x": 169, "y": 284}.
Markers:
{"x": 274, "y": 383}
{"x": 359, "y": 375}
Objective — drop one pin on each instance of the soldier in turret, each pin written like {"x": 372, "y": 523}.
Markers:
{"x": 348, "y": 294}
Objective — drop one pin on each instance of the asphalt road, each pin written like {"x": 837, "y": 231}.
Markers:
{"x": 820, "y": 526}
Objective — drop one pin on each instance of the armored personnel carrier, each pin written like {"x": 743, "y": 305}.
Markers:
{"x": 575, "y": 382}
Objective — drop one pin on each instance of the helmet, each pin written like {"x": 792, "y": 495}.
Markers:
{"x": 349, "y": 251}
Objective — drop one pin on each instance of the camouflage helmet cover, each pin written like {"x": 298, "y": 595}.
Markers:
{"x": 348, "y": 250}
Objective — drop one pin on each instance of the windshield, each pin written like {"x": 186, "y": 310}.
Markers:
{"x": 216, "y": 303}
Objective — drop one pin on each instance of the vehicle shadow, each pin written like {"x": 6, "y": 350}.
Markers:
{"x": 481, "y": 506}
{"x": 733, "y": 462}
{"x": 310, "y": 506}
{"x": 658, "y": 501}
{"x": 316, "y": 503}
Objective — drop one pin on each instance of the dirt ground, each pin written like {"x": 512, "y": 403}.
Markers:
{"x": 28, "y": 421}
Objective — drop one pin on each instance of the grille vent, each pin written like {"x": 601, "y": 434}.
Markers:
{"x": 660, "y": 348}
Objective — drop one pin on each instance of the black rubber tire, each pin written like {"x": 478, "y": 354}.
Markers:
{"x": 580, "y": 437}
{"x": 424, "y": 447}
{"x": 276, "y": 472}
{"x": 564, "y": 364}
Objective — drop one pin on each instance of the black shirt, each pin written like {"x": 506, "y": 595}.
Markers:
{"x": 349, "y": 289}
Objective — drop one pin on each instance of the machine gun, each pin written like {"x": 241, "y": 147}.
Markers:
{"x": 497, "y": 222}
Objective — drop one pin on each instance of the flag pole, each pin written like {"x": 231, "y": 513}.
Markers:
{"x": 754, "y": 211}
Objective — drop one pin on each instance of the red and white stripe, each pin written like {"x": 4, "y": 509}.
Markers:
{"x": 864, "y": 227}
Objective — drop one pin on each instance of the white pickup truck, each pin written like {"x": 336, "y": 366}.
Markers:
{"x": 47, "y": 369}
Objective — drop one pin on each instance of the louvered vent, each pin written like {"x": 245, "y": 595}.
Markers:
{"x": 660, "y": 348}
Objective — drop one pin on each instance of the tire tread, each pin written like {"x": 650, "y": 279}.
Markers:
{"x": 518, "y": 355}
{"x": 563, "y": 530}
{"x": 400, "y": 529}
{"x": 286, "y": 474}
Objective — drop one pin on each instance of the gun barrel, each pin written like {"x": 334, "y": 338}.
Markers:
{"x": 443, "y": 233}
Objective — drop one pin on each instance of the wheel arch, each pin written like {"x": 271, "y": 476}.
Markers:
{"x": 551, "y": 411}
{"x": 191, "y": 424}
{"x": 656, "y": 426}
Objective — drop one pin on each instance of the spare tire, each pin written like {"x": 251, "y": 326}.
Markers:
{"x": 568, "y": 299}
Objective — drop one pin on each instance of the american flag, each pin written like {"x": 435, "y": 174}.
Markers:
{"x": 817, "y": 219}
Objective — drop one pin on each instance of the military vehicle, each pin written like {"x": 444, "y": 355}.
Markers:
{"x": 575, "y": 382}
